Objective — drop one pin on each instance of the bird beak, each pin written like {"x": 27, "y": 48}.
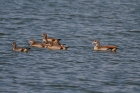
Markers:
{"x": 93, "y": 42}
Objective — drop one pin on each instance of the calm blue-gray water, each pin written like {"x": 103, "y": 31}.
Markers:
{"x": 77, "y": 23}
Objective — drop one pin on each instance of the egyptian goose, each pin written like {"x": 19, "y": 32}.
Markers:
{"x": 21, "y": 49}
{"x": 45, "y": 42}
{"x": 54, "y": 47}
{"x": 107, "y": 47}
{"x": 36, "y": 44}
{"x": 48, "y": 39}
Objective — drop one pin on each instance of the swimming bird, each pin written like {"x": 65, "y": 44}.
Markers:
{"x": 47, "y": 39}
{"x": 21, "y": 49}
{"x": 107, "y": 47}
{"x": 36, "y": 44}
{"x": 54, "y": 47}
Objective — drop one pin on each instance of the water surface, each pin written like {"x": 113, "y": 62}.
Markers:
{"x": 80, "y": 69}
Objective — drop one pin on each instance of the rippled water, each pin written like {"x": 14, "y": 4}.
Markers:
{"x": 80, "y": 69}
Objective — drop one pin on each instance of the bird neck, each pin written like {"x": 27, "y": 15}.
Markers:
{"x": 98, "y": 44}
{"x": 32, "y": 42}
{"x": 14, "y": 46}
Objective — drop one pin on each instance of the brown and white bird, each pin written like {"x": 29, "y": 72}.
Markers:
{"x": 106, "y": 47}
{"x": 36, "y": 44}
{"x": 20, "y": 49}
{"x": 47, "y": 39}
{"x": 54, "y": 47}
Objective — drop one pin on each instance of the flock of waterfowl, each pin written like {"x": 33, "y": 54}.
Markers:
{"x": 47, "y": 42}
{"x": 54, "y": 44}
